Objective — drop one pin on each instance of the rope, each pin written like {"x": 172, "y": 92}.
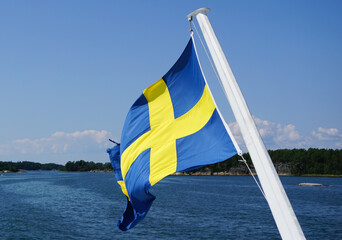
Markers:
{"x": 210, "y": 60}
{"x": 219, "y": 80}
{"x": 250, "y": 171}
{"x": 218, "y": 110}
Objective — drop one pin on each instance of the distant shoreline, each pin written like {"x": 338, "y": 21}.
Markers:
{"x": 183, "y": 173}
{"x": 230, "y": 174}
{"x": 287, "y": 162}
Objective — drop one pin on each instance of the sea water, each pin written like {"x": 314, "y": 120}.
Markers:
{"x": 58, "y": 205}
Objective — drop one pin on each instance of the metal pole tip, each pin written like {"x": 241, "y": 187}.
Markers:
{"x": 194, "y": 13}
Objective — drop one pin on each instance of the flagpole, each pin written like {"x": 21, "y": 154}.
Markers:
{"x": 276, "y": 197}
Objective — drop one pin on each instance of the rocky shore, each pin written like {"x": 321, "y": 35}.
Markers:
{"x": 312, "y": 185}
{"x": 283, "y": 169}
{"x": 101, "y": 170}
{"x": 8, "y": 171}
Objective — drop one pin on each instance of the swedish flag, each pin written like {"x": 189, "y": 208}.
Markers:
{"x": 172, "y": 127}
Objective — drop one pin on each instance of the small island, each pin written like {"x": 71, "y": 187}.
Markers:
{"x": 312, "y": 185}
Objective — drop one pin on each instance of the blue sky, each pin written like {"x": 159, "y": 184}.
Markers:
{"x": 70, "y": 70}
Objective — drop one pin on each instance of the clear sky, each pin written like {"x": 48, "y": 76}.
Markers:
{"x": 70, "y": 70}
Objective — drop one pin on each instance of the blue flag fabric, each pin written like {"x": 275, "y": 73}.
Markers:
{"x": 172, "y": 127}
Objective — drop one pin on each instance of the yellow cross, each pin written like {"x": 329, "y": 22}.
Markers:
{"x": 165, "y": 130}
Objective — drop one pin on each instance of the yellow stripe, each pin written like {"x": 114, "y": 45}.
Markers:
{"x": 159, "y": 104}
{"x": 196, "y": 118}
{"x": 165, "y": 130}
{"x": 163, "y": 161}
{"x": 123, "y": 188}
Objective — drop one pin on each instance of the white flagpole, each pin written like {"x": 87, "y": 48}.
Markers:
{"x": 276, "y": 197}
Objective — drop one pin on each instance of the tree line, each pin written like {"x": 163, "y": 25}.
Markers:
{"x": 71, "y": 166}
{"x": 27, "y": 165}
{"x": 300, "y": 162}
{"x": 83, "y": 166}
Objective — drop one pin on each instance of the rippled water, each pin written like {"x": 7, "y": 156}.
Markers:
{"x": 55, "y": 205}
